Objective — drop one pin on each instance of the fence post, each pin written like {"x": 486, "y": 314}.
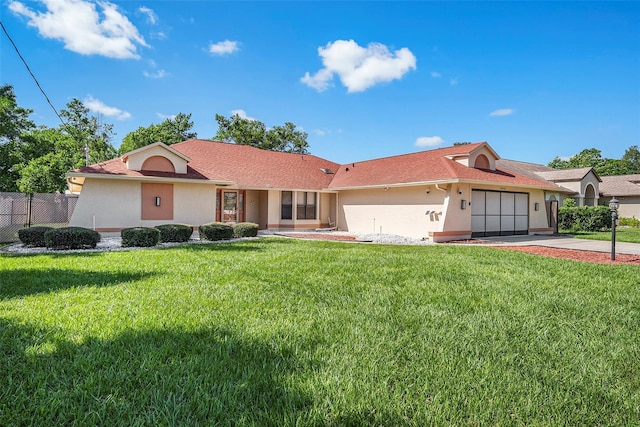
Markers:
{"x": 29, "y": 205}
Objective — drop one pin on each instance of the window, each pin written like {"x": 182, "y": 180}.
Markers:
{"x": 286, "y": 205}
{"x": 306, "y": 205}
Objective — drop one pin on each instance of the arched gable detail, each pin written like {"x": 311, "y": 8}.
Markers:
{"x": 590, "y": 195}
{"x": 158, "y": 164}
{"x": 482, "y": 162}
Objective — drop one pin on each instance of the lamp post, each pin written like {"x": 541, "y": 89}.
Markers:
{"x": 613, "y": 207}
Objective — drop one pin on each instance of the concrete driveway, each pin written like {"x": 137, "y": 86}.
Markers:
{"x": 563, "y": 242}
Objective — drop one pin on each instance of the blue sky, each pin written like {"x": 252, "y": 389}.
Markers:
{"x": 365, "y": 79}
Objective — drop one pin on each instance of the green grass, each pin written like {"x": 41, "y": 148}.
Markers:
{"x": 282, "y": 332}
{"x": 623, "y": 234}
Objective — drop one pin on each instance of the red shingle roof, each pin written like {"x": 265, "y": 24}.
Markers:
{"x": 246, "y": 166}
{"x": 250, "y": 167}
{"x": 425, "y": 166}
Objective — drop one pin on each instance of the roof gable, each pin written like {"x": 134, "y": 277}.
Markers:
{"x": 478, "y": 155}
{"x": 135, "y": 159}
{"x": 563, "y": 175}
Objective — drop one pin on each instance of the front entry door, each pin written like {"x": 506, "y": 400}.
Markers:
{"x": 229, "y": 206}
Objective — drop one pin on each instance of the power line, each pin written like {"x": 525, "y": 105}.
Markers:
{"x": 29, "y": 70}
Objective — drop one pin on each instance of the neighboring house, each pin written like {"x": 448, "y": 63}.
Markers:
{"x": 580, "y": 184}
{"x": 625, "y": 188}
{"x": 443, "y": 194}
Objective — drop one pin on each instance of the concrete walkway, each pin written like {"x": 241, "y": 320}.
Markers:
{"x": 563, "y": 242}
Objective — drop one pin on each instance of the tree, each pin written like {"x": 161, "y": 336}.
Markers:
{"x": 632, "y": 159}
{"x": 591, "y": 157}
{"x": 48, "y": 154}
{"x": 287, "y": 138}
{"x": 177, "y": 129}
{"x": 88, "y": 132}
{"x": 609, "y": 167}
{"x": 14, "y": 120}
{"x": 45, "y": 174}
{"x": 170, "y": 131}
{"x": 254, "y": 133}
{"x": 9, "y": 157}
{"x": 558, "y": 163}
{"x": 14, "y": 123}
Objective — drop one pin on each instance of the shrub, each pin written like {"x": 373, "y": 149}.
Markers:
{"x": 630, "y": 222}
{"x": 215, "y": 231}
{"x": 71, "y": 238}
{"x": 584, "y": 218}
{"x": 140, "y": 236}
{"x": 33, "y": 236}
{"x": 245, "y": 229}
{"x": 175, "y": 232}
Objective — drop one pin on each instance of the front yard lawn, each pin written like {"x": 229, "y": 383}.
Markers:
{"x": 284, "y": 332}
{"x": 623, "y": 234}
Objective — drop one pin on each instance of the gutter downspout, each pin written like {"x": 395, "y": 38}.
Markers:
{"x": 441, "y": 189}
{"x": 445, "y": 204}
{"x": 337, "y": 210}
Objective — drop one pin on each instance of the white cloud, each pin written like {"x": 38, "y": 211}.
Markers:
{"x": 435, "y": 74}
{"x": 453, "y": 81}
{"x": 428, "y": 141}
{"x": 502, "y": 112}
{"x": 98, "y": 106}
{"x": 83, "y": 29}
{"x": 159, "y": 35}
{"x": 319, "y": 132}
{"x": 359, "y": 67}
{"x": 164, "y": 116}
{"x": 242, "y": 114}
{"x": 151, "y": 16}
{"x": 223, "y": 48}
{"x": 157, "y": 75}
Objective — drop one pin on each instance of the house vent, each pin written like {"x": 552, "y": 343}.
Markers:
{"x": 327, "y": 171}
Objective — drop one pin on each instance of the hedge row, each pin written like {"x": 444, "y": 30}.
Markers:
{"x": 59, "y": 238}
{"x": 222, "y": 231}
{"x": 213, "y": 231}
{"x": 140, "y": 237}
{"x": 175, "y": 232}
{"x": 33, "y": 236}
{"x": 630, "y": 222}
{"x": 584, "y": 218}
{"x": 81, "y": 238}
{"x": 147, "y": 236}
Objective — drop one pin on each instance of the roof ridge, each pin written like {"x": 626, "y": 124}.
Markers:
{"x": 433, "y": 150}
{"x": 251, "y": 147}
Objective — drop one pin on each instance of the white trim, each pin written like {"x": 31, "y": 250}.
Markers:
{"x": 149, "y": 179}
{"x": 157, "y": 144}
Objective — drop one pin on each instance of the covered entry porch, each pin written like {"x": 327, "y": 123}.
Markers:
{"x": 277, "y": 209}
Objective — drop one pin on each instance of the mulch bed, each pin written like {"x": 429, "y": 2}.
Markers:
{"x": 572, "y": 254}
